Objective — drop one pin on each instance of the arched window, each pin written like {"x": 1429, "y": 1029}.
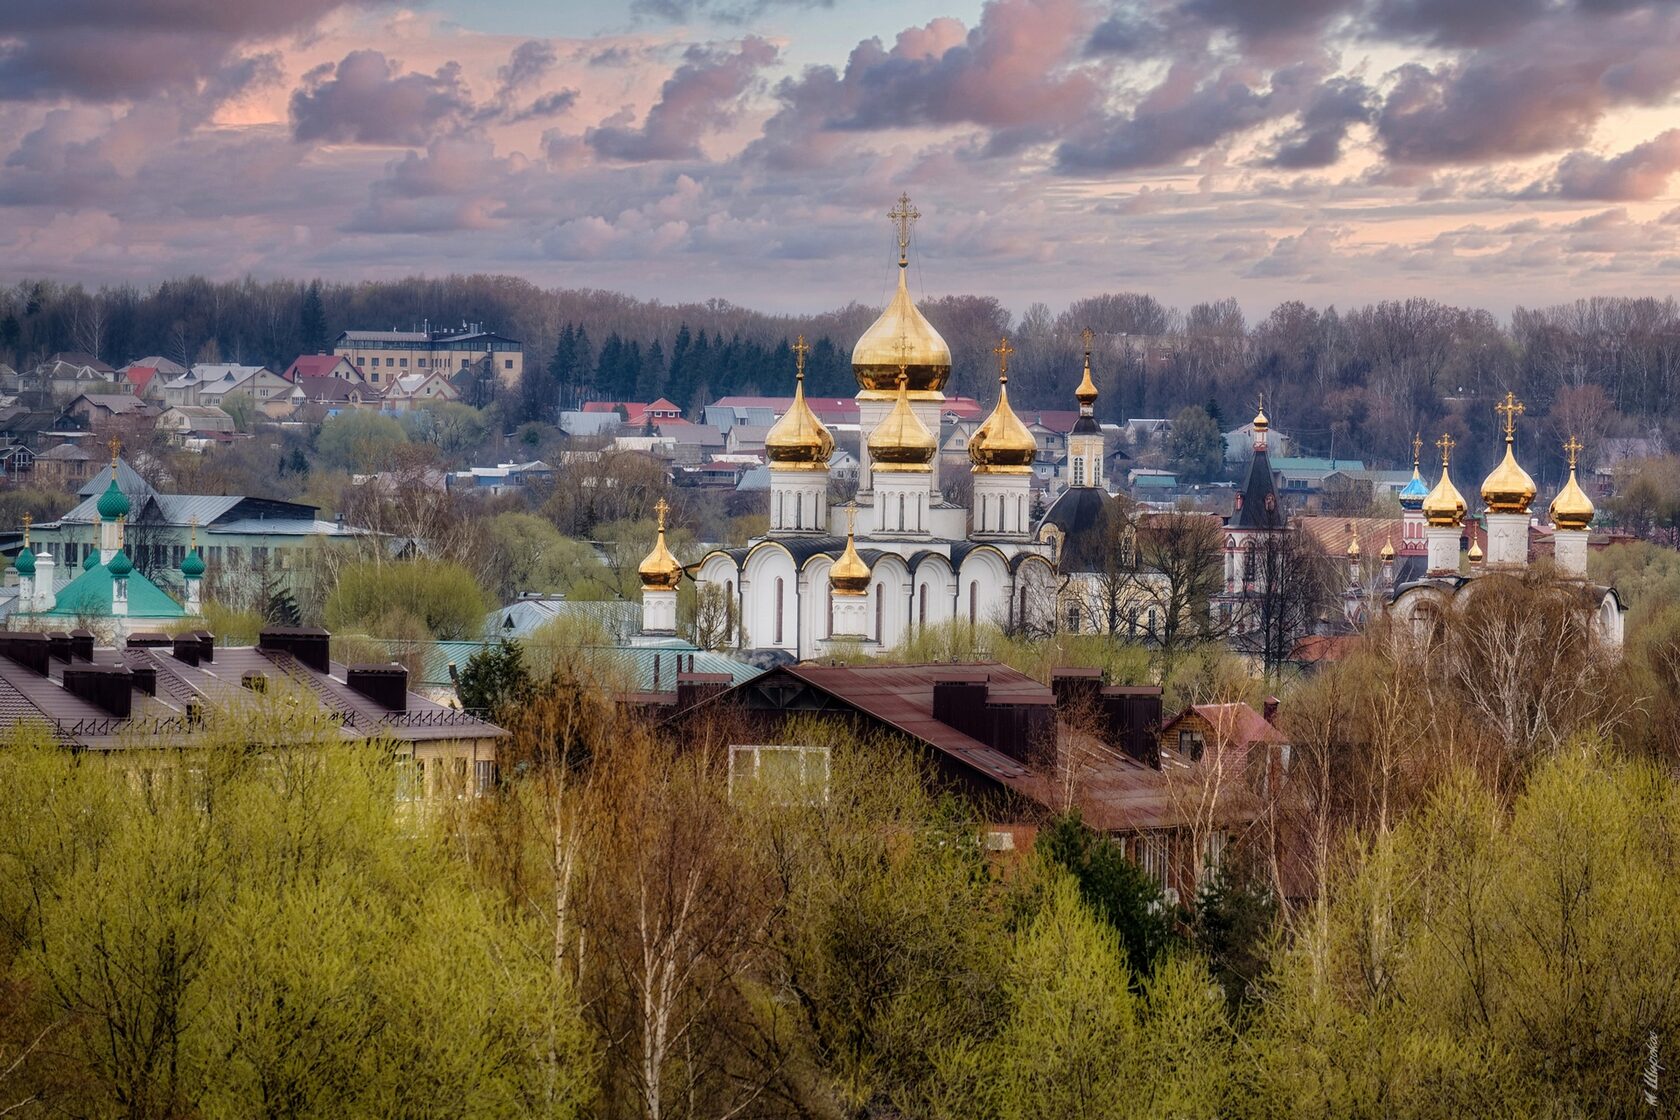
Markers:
{"x": 779, "y": 522}
{"x": 778, "y": 610}
{"x": 973, "y": 603}
{"x": 799, "y": 510}
{"x": 901, "y": 511}
{"x": 1079, "y": 472}
{"x": 829, "y": 632}
{"x": 921, "y": 606}
{"x": 1021, "y": 616}
{"x": 729, "y": 607}
{"x": 1248, "y": 562}
{"x": 880, "y": 600}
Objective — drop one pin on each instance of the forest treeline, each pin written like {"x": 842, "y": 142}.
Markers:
{"x": 1356, "y": 382}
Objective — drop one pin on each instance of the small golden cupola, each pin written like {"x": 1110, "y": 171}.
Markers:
{"x": 659, "y": 570}
{"x": 1388, "y": 550}
{"x": 1475, "y": 551}
{"x": 1508, "y": 489}
{"x": 850, "y": 575}
{"x": 1572, "y": 509}
{"x": 799, "y": 441}
{"x": 1445, "y": 505}
{"x": 1002, "y": 444}
{"x": 1086, "y": 394}
{"x": 901, "y": 442}
{"x": 902, "y": 337}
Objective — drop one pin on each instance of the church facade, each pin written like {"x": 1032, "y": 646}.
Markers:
{"x": 901, "y": 557}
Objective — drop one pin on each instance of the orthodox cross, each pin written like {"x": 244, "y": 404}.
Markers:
{"x": 1086, "y": 336}
{"x": 27, "y": 521}
{"x": 1417, "y": 448}
{"x": 659, "y": 508}
{"x": 904, "y": 216}
{"x": 192, "y": 522}
{"x": 1446, "y": 443}
{"x": 851, "y": 518}
{"x": 1512, "y": 408}
{"x": 1572, "y": 449}
{"x": 115, "y": 445}
{"x": 1003, "y": 350}
{"x": 800, "y": 349}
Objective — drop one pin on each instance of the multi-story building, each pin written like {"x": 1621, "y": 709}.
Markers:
{"x": 383, "y": 356}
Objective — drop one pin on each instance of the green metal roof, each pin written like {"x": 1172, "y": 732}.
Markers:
{"x": 635, "y": 662}
{"x": 91, "y": 594}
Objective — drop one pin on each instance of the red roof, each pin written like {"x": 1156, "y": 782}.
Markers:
{"x": 140, "y": 376}
{"x": 312, "y": 365}
{"x": 1060, "y": 421}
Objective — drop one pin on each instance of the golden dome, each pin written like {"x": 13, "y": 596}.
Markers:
{"x": 1353, "y": 547}
{"x": 1260, "y": 422}
{"x": 799, "y": 441}
{"x": 1445, "y": 505}
{"x": 1508, "y": 489}
{"x": 1002, "y": 444}
{"x": 901, "y": 442}
{"x": 1388, "y": 550}
{"x": 1086, "y": 394}
{"x": 850, "y": 575}
{"x": 659, "y": 570}
{"x": 901, "y": 337}
{"x": 1475, "y": 551}
{"x": 1572, "y": 509}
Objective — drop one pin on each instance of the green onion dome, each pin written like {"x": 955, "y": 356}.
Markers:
{"x": 193, "y": 566}
{"x": 113, "y": 503}
{"x": 121, "y": 565}
{"x": 25, "y": 563}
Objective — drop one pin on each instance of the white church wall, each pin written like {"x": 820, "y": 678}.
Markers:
{"x": 771, "y": 607}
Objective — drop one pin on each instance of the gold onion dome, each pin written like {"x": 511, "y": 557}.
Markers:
{"x": 1572, "y": 509}
{"x": 901, "y": 442}
{"x": 799, "y": 441}
{"x": 1475, "y": 551}
{"x": 1086, "y": 394}
{"x": 902, "y": 337}
{"x": 1387, "y": 550}
{"x": 1002, "y": 444}
{"x": 1353, "y": 548}
{"x": 659, "y": 570}
{"x": 850, "y": 575}
{"x": 1445, "y": 505}
{"x": 1508, "y": 489}
{"x": 1261, "y": 423}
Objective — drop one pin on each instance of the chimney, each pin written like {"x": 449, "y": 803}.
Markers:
{"x": 1075, "y": 686}
{"x": 108, "y": 687}
{"x": 145, "y": 679}
{"x": 309, "y": 644}
{"x": 206, "y": 646}
{"x": 149, "y": 641}
{"x": 31, "y": 650}
{"x": 1131, "y": 716}
{"x": 186, "y": 649}
{"x": 385, "y": 685}
{"x": 1270, "y": 709}
{"x": 58, "y": 641}
{"x": 697, "y": 688}
{"x": 81, "y": 645}
{"x": 1018, "y": 727}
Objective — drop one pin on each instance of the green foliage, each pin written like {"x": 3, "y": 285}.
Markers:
{"x": 494, "y": 677}
{"x": 241, "y": 408}
{"x": 1646, "y": 576}
{"x": 1114, "y": 887}
{"x": 529, "y": 554}
{"x": 231, "y": 626}
{"x": 1196, "y": 447}
{"x": 1236, "y": 915}
{"x": 359, "y": 441}
{"x": 441, "y": 595}
{"x": 454, "y": 428}
{"x": 235, "y": 933}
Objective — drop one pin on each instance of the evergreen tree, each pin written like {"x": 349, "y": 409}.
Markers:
{"x": 650, "y": 384}
{"x": 1115, "y": 887}
{"x": 562, "y": 371}
{"x": 312, "y": 320}
{"x": 494, "y": 678}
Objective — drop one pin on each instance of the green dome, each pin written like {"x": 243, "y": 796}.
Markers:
{"x": 92, "y": 561}
{"x": 120, "y": 565}
{"x": 113, "y": 503}
{"x": 193, "y": 566}
{"x": 25, "y": 563}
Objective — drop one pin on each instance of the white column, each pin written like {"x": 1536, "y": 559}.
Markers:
{"x": 798, "y": 501}
{"x": 1443, "y": 549}
{"x": 1001, "y": 504}
{"x": 1569, "y": 552}
{"x": 901, "y": 501}
{"x": 1507, "y": 535}
{"x": 659, "y": 611}
{"x": 195, "y": 593}
{"x": 45, "y": 597}
{"x": 851, "y": 616}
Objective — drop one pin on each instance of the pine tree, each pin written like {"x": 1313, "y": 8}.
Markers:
{"x": 650, "y": 384}
{"x": 312, "y": 320}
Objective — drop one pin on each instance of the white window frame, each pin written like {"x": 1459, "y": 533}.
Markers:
{"x": 746, "y": 760}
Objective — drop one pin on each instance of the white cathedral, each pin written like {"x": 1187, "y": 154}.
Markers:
{"x": 901, "y": 557}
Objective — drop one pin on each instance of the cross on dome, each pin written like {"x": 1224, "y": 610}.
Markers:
{"x": 903, "y": 216}
{"x": 1573, "y": 448}
{"x": 1003, "y": 350}
{"x": 1446, "y": 443}
{"x": 800, "y": 349}
{"x": 1512, "y": 408}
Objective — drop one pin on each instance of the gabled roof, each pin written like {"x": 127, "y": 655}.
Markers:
{"x": 122, "y": 404}
{"x": 66, "y": 452}
{"x": 92, "y": 593}
{"x": 313, "y": 365}
{"x": 1257, "y": 501}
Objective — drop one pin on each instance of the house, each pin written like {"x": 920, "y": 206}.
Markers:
{"x": 183, "y": 422}
{"x": 617, "y": 619}
{"x": 383, "y": 356}
{"x": 16, "y": 462}
{"x": 502, "y": 478}
{"x": 1019, "y": 751}
{"x": 145, "y": 377}
{"x": 34, "y": 428}
{"x": 744, "y": 440}
{"x": 66, "y": 466}
{"x": 690, "y": 444}
{"x": 413, "y": 390}
{"x": 322, "y": 365}
{"x": 69, "y": 372}
{"x": 331, "y": 395}
{"x": 97, "y": 411}
{"x": 151, "y": 693}
{"x": 261, "y": 385}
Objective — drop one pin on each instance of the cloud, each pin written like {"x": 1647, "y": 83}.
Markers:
{"x": 111, "y": 50}
{"x": 1183, "y": 116}
{"x": 1637, "y": 175}
{"x": 1542, "y": 88}
{"x": 1316, "y": 141}
{"x": 701, "y": 97}
{"x": 367, "y": 99}
{"x": 1265, "y": 19}
{"x": 726, "y": 11}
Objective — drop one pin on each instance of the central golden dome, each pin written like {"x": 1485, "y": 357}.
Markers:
{"x": 901, "y": 338}
{"x": 799, "y": 441}
{"x": 1508, "y": 489}
{"x": 1002, "y": 444}
{"x": 1445, "y": 505}
{"x": 901, "y": 442}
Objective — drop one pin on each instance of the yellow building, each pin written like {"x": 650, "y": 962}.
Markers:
{"x": 383, "y": 356}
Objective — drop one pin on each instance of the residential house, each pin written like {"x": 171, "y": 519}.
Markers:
{"x": 33, "y": 428}
{"x": 690, "y": 444}
{"x": 411, "y": 391}
{"x": 188, "y": 424}
{"x": 152, "y": 692}
{"x": 16, "y": 463}
{"x": 328, "y": 396}
{"x": 503, "y": 478}
{"x": 66, "y": 466}
{"x": 744, "y": 440}
{"x": 266, "y": 389}
{"x": 145, "y": 377}
{"x": 97, "y": 412}
{"x": 322, "y": 365}
{"x": 69, "y": 372}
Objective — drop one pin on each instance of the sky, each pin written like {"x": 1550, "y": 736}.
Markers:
{"x": 1497, "y": 153}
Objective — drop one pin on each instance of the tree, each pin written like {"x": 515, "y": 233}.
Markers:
{"x": 241, "y": 408}
{"x": 1294, "y": 584}
{"x": 312, "y": 320}
{"x": 494, "y": 678}
{"x": 359, "y": 441}
{"x": 526, "y": 553}
{"x": 1183, "y": 552}
{"x": 441, "y": 595}
{"x": 1114, "y": 887}
{"x": 1196, "y": 447}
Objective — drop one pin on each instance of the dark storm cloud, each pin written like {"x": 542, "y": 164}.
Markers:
{"x": 1317, "y": 140}
{"x": 1454, "y": 22}
{"x": 1637, "y": 175}
{"x": 367, "y": 99}
{"x": 1265, "y": 19}
{"x": 726, "y": 11}
{"x": 105, "y": 50}
{"x": 703, "y": 95}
